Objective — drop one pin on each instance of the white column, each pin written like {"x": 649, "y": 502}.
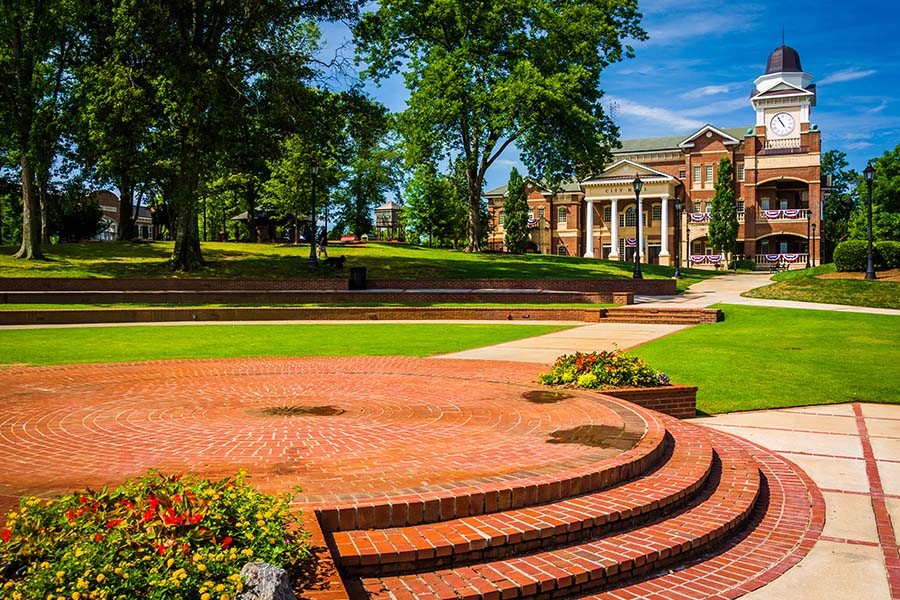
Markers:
{"x": 614, "y": 227}
{"x": 642, "y": 251}
{"x": 664, "y": 236}
{"x": 589, "y": 230}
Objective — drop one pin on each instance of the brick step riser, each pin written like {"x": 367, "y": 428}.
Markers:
{"x": 407, "y": 511}
{"x": 652, "y": 548}
{"x": 595, "y": 524}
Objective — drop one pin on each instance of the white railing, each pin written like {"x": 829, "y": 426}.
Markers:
{"x": 782, "y": 143}
{"x": 785, "y": 259}
{"x": 782, "y": 214}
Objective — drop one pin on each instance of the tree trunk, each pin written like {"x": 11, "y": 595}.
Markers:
{"x": 126, "y": 216}
{"x": 31, "y": 240}
{"x": 474, "y": 189}
{"x": 186, "y": 255}
{"x": 45, "y": 212}
{"x": 251, "y": 212}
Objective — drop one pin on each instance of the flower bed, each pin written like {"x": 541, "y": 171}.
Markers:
{"x": 156, "y": 537}
{"x": 602, "y": 371}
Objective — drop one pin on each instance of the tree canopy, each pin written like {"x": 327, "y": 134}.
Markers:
{"x": 515, "y": 213}
{"x": 723, "y": 223}
{"x": 485, "y": 75}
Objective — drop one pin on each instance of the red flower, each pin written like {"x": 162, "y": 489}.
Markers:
{"x": 4, "y": 535}
{"x": 227, "y": 542}
{"x": 70, "y": 515}
{"x": 127, "y": 504}
{"x": 112, "y": 523}
{"x": 160, "y": 549}
{"x": 194, "y": 519}
{"x": 98, "y": 537}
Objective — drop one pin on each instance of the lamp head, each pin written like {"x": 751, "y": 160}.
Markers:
{"x": 314, "y": 167}
{"x": 869, "y": 173}
{"x": 637, "y": 184}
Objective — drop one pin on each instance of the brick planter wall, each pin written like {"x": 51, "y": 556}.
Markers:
{"x": 675, "y": 400}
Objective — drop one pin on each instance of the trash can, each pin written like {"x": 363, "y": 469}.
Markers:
{"x": 357, "y": 278}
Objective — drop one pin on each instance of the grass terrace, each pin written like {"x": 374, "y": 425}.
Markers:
{"x": 227, "y": 260}
{"x": 824, "y": 284}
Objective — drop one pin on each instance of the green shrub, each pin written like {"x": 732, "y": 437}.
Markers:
{"x": 851, "y": 255}
{"x": 155, "y": 537}
{"x": 888, "y": 254}
{"x": 602, "y": 370}
{"x": 746, "y": 265}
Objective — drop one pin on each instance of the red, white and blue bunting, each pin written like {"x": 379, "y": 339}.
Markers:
{"x": 707, "y": 259}
{"x": 698, "y": 259}
{"x": 775, "y": 258}
{"x": 699, "y": 217}
{"x": 630, "y": 242}
{"x": 532, "y": 223}
{"x": 784, "y": 213}
{"x": 714, "y": 259}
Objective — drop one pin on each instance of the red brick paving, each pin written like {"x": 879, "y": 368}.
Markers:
{"x": 414, "y": 441}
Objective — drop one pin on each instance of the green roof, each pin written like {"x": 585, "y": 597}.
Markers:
{"x": 669, "y": 142}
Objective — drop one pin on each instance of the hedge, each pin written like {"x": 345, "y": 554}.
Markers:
{"x": 851, "y": 255}
{"x": 887, "y": 254}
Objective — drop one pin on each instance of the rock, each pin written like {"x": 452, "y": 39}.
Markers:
{"x": 263, "y": 581}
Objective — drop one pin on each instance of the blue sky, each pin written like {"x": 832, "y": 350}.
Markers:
{"x": 702, "y": 56}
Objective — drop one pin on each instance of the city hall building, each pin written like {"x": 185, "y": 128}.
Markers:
{"x": 777, "y": 187}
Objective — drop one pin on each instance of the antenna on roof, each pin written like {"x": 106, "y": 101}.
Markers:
{"x": 782, "y": 34}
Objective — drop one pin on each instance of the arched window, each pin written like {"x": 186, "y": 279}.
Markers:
{"x": 630, "y": 217}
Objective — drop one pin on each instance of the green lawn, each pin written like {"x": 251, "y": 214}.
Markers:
{"x": 138, "y": 343}
{"x": 273, "y": 261}
{"x": 803, "y": 286}
{"x": 772, "y": 358}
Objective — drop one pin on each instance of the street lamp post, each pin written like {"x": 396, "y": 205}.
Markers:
{"x": 313, "y": 260}
{"x": 808, "y": 238}
{"x": 679, "y": 206}
{"x": 734, "y": 242}
{"x": 813, "y": 244}
{"x": 869, "y": 173}
{"x": 637, "y": 184}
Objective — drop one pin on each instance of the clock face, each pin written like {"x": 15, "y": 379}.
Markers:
{"x": 782, "y": 124}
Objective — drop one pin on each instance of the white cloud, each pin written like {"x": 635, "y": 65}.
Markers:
{"x": 879, "y": 108}
{"x": 657, "y": 114}
{"x": 710, "y": 90}
{"x": 711, "y": 110}
{"x": 846, "y": 75}
{"x": 858, "y": 145}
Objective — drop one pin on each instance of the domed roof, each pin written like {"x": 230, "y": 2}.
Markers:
{"x": 784, "y": 59}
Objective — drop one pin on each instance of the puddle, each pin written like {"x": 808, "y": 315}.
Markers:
{"x": 298, "y": 411}
{"x": 597, "y": 436}
{"x": 545, "y": 396}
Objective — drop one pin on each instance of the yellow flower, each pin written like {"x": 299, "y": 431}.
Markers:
{"x": 201, "y": 567}
{"x": 76, "y": 596}
{"x": 205, "y": 597}
{"x": 44, "y": 565}
{"x": 100, "y": 577}
{"x": 247, "y": 552}
{"x": 220, "y": 588}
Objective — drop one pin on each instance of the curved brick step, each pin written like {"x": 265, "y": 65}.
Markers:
{"x": 782, "y": 529}
{"x": 575, "y": 569}
{"x": 504, "y": 493}
{"x": 384, "y": 551}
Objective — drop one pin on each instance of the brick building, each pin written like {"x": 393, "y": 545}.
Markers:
{"x": 144, "y": 228}
{"x": 777, "y": 184}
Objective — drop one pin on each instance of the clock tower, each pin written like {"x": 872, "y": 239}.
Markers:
{"x": 782, "y": 99}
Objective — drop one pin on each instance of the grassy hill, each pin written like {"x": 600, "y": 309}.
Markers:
{"x": 271, "y": 261}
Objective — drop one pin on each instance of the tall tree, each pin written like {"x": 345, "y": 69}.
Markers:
{"x": 885, "y": 200}
{"x": 723, "y": 223}
{"x": 515, "y": 213}
{"x": 484, "y": 75}
{"x": 35, "y": 48}
{"x": 198, "y": 56}
{"x": 841, "y": 201}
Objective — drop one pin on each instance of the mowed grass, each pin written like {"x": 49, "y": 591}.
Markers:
{"x": 278, "y": 261}
{"x": 762, "y": 357}
{"x": 803, "y": 286}
{"x": 140, "y": 343}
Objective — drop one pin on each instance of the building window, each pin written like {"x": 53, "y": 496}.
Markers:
{"x": 540, "y": 214}
{"x": 656, "y": 212}
{"x": 764, "y": 204}
{"x": 696, "y": 182}
{"x": 501, "y": 218}
{"x": 561, "y": 216}
{"x": 562, "y": 251}
{"x": 630, "y": 217}
{"x": 681, "y": 174}
{"x": 607, "y": 214}
{"x": 764, "y": 247}
{"x": 740, "y": 205}
{"x": 709, "y": 174}
{"x": 740, "y": 171}
{"x": 696, "y": 207}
